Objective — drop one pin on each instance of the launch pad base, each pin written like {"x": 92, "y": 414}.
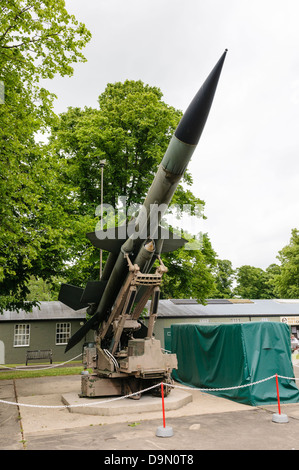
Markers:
{"x": 93, "y": 386}
{"x": 110, "y": 406}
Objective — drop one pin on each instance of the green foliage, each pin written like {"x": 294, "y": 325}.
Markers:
{"x": 286, "y": 282}
{"x": 37, "y": 40}
{"x": 190, "y": 272}
{"x": 43, "y": 290}
{"x": 35, "y": 211}
{"x": 131, "y": 131}
{"x": 224, "y": 278}
{"x": 49, "y": 193}
{"x": 254, "y": 283}
{"x": 277, "y": 281}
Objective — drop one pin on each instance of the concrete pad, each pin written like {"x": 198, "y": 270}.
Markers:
{"x": 48, "y": 385}
{"x": 112, "y": 407}
{"x": 10, "y": 429}
{"x": 57, "y": 419}
{"x": 206, "y": 422}
{"x": 6, "y": 389}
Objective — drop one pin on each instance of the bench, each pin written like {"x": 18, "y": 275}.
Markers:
{"x": 39, "y": 354}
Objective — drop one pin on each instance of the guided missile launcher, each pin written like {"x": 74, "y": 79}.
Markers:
{"x": 125, "y": 355}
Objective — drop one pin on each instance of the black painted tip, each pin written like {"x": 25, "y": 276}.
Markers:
{"x": 193, "y": 121}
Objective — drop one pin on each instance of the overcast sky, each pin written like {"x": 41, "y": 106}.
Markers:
{"x": 246, "y": 166}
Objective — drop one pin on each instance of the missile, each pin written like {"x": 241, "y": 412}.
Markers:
{"x": 147, "y": 239}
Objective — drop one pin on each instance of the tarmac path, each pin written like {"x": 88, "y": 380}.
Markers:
{"x": 207, "y": 423}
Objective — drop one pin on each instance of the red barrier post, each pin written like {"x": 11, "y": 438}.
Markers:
{"x": 277, "y": 389}
{"x": 163, "y": 406}
{"x": 279, "y": 417}
{"x": 164, "y": 431}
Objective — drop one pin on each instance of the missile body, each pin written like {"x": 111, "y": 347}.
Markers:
{"x": 167, "y": 178}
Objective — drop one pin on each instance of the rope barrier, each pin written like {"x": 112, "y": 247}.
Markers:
{"x": 226, "y": 388}
{"x": 92, "y": 403}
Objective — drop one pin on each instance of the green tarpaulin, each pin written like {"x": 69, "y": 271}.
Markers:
{"x": 230, "y": 355}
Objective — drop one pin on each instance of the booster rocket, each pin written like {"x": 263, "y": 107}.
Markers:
{"x": 100, "y": 296}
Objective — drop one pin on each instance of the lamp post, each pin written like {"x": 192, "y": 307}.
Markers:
{"x": 102, "y": 164}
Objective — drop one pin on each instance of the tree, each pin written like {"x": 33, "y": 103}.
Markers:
{"x": 286, "y": 283}
{"x": 190, "y": 272}
{"x": 253, "y": 283}
{"x": 224, "y": 277}
{"x": 131, "y": 131}
{"x": 41, "y": 290}
{"x": 37, "y": 40}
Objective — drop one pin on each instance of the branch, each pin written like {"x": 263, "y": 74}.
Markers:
{"x": 39, "y": 39}
{"x": 14, "y": 20}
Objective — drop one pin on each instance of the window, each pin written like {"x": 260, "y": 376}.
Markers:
{"x": 63, "y": 333}
{"x": 21, "y": 335}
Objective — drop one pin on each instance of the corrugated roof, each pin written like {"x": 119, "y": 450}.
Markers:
{"x": 47, "y": 311}
{"x": 270, "y": 307}
{"x": 176, "y": 308}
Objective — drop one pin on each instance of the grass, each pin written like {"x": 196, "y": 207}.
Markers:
{"x": 51, "y": 372}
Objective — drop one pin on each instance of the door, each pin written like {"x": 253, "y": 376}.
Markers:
{"x": 2, "y": 353}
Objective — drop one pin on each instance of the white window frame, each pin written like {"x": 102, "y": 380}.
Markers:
{"x": 62, "y": 333}
{"x": 21, "y": 335}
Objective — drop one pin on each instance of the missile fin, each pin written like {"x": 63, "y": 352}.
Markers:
{"x": 172, "y": 245}
{"x": 93, "y": 292}
{"x": 71, "y": 296}
{"x": 171, "y": 241}
{"x": 105, "y": 240}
